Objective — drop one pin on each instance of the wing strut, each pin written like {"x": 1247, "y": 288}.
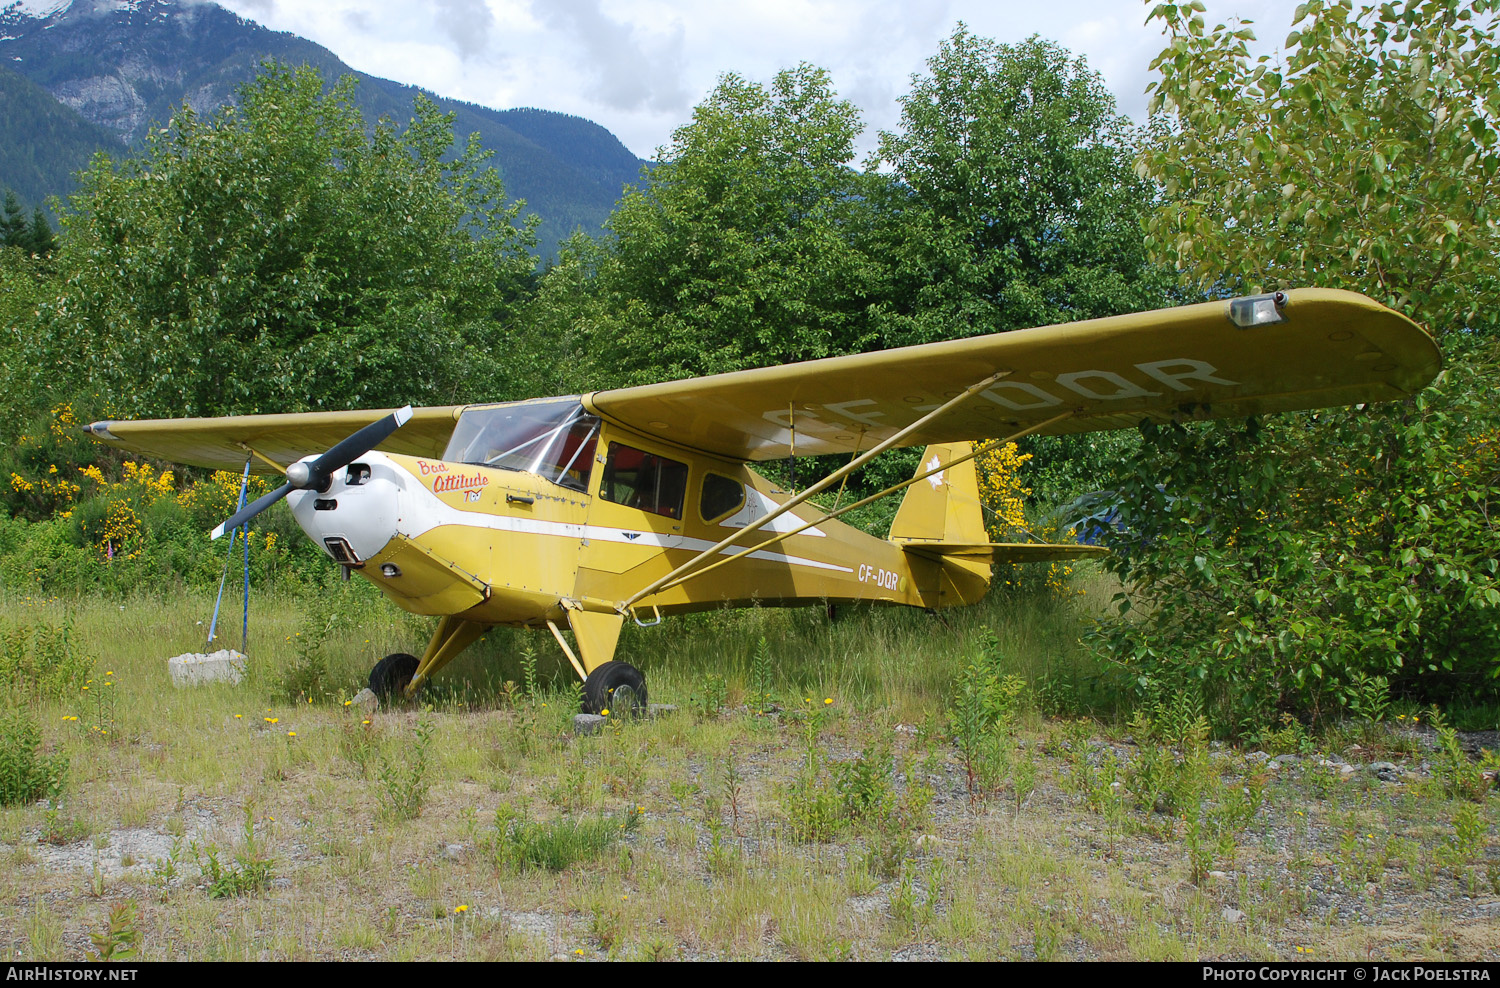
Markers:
{"x": 263, "y": 458}
{"x": 976, "y": 451}
{"x": 820, "y": 486}
{"x": 577, "y": 666}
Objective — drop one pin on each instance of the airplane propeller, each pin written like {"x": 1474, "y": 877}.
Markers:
{"x": 315, "y": 475}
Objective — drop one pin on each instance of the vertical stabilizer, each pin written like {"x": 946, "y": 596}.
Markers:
{"x": 945, "y": 506}
{"x": 944, "y": 510}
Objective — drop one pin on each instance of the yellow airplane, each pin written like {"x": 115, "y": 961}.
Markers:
{"x": 635, "y": 503}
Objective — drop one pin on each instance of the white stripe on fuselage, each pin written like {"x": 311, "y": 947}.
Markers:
{"x": 433, "y": 512}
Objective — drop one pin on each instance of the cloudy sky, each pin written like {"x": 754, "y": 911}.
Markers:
{"x": 639, "y": 66}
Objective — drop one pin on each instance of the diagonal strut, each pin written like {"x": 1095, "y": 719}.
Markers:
{"x": 822, "y": 485}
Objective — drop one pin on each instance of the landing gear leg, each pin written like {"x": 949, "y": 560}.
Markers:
{"x": 608, "y": 686}
{"x": 452, "y": 635}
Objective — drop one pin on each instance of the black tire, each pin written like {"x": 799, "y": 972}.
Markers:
{"x": 617, "y": 687}
{"x": 391, "y": 674}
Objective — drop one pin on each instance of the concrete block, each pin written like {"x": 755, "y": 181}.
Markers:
{"x": 587, "y": 723}
{"x": 196, "y": 668}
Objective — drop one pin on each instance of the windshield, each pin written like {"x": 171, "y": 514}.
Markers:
{"x": 554, "y": 440}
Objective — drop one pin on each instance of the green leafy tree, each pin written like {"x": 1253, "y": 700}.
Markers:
{"x": 280, "y": 256}
{"x": 1289, "y": 566}
{"x": 555, "y": 354}
{"x": 1366, "y": 158}
{"x": 746, "y": 246}
{"x": 26, "y": 282}
{"x": 1018, "y": 204}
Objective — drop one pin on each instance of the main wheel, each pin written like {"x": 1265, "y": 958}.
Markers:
{"x": 617, "y": 687}
{"x": 391, "y": 674}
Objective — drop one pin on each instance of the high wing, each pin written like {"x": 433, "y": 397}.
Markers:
{"x": 224, "y": 443}
{"x": 1332, "y": 348}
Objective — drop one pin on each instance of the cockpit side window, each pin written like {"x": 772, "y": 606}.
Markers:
{"x": 638, "y": 479}
{"x": 554, "y": 440}
{"x": 720, "y": 496}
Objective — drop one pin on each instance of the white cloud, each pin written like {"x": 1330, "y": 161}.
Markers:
{"x": 638, "y": 66}
{"x": 467, "y": 23}
{"x": 629, "y": 70}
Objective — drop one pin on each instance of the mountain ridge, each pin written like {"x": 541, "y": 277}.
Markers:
{"x": 124, "y": 65}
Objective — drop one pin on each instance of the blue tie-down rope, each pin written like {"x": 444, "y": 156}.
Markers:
{"x": 212, "y": 625}
{"x": 245, "y": 620}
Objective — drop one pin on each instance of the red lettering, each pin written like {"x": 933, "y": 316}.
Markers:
{"x": 459, "y": 481}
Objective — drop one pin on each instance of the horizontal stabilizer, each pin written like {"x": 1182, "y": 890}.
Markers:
{"x": 1004, "y": 552}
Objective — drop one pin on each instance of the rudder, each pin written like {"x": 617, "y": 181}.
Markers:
{"x": 944, "y": 508}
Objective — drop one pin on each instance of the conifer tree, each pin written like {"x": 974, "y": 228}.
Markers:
{"x": 40, "y": 239}
{"x": 13, "y": 232}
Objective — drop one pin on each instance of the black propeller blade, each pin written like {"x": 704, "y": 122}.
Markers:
{"x": 316, "y": 474}
{"x": 251, "y": 510}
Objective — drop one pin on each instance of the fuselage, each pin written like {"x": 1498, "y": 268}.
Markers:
{"x": 538, "y": 504}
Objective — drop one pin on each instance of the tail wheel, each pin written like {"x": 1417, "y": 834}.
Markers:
{"x": 616, "y": 687}
{"x": 391, "y": 675}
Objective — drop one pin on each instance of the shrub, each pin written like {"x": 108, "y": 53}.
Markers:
{"x": 25, "y": 773}
{"x": 308, "y": 676}
{"x": 250, "y": 874}
{"x": 985, "y": 702}
{"x": 403, "y": 781}
{"x": 1280, "y": 564}
{"x": 42, "y": 661}
{"x": 1453, "y": 769}
{"x": 120, "y": 937}
{"x": 1310, "y": 565}
{"x": 524, "y": 844}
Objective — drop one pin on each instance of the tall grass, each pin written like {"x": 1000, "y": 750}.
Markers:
{"x": 899, "y": 658}
{"x": 879, "y": 657}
